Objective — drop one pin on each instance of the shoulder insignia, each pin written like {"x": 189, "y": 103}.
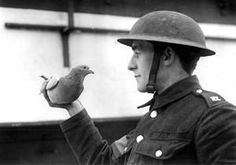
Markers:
{"x": 211, "y": 98}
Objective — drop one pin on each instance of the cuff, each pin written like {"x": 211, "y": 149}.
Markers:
{"x": 75, "y": 121}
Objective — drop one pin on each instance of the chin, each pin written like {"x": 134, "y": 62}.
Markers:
{"x": 142, "y": 90}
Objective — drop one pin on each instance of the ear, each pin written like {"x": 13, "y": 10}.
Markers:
{"x": 168, "y": 56}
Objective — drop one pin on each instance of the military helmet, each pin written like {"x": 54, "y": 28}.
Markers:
{"x": 171, "y": 28}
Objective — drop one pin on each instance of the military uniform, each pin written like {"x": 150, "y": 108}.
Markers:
{"x": 185, "y": 125}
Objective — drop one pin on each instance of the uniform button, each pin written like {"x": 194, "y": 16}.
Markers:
{"x": 139, "y": 138}
{"x": 199, "y": 91}
{"x": 158, "y": 153}
{"x": 153, "y": 114}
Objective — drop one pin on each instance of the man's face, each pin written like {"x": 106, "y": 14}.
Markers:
{"x": 141, "y": 63}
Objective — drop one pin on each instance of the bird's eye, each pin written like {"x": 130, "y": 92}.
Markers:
{"x": 85, "y": 67}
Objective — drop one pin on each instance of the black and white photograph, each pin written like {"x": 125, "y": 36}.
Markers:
{"x": 115, "y": 82}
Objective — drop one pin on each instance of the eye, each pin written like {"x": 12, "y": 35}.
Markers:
{"x": 137, "y": 54}
{"x": 85, "y": 67}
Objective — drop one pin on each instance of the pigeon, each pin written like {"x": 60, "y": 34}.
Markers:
{"x": 68, "y": 88}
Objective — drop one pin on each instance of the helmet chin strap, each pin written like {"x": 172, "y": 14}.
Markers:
{"x": 151, "y": 86}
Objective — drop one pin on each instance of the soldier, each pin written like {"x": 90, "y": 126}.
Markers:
{"x": 185, "y": 123}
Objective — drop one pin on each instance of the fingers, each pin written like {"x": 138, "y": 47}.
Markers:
{"x": 49, "y": 84}
{"x": 43, "y": 86}
{"x": 53, "y": 104}
{"x": 52, "y": 83}
{"x": 44, "y": 92}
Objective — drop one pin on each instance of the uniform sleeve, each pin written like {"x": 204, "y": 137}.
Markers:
{"x": 85, "y": 140}
{"x": 216, "y": 136}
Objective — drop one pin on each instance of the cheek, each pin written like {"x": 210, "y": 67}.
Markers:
{"x": 145, "y": 74}
{"x": 147, "y": 66}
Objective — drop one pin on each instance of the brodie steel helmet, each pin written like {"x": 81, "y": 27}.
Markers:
{"x": 167, "y": 27}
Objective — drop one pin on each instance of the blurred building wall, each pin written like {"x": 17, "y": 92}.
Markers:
{"x": 111, "y": 92}
{"x": 26, "y": 54}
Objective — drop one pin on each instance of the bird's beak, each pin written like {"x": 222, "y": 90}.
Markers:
{"x": 90, "y": 71}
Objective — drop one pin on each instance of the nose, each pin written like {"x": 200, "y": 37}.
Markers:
{"x": 132, "y": 64}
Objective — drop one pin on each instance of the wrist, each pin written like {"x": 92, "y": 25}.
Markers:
{"x": 75, "y": 108}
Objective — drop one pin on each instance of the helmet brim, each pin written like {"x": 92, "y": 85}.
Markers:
{"x": 201, "y": 51}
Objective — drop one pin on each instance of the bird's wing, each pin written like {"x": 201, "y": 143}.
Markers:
{"x": 52, "y": 83}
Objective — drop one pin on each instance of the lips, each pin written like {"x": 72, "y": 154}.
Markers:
{"x": 137, "y": 75}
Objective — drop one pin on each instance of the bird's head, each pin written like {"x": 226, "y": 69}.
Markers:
{"x": 82, "y": 70}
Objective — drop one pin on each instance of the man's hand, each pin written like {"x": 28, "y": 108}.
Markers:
{"x": 72, "y": 108}
{"x": 48, "y": 83}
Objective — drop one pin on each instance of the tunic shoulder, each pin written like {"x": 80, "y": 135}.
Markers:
{"x": 211, "y": 98}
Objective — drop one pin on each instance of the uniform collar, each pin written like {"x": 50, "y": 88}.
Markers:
{"x": 174, "y": 92}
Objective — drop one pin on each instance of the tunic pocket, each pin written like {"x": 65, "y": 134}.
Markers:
{"x": 163, "y": 145}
